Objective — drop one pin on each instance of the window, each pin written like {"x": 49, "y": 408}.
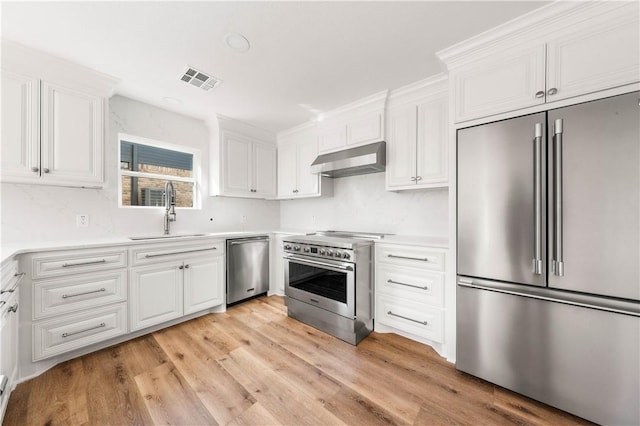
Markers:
{"x": 145, "y": 168}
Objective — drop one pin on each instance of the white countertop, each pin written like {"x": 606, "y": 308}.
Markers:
{"x": 415, "y": 240}
{"x": 9, "y": 250}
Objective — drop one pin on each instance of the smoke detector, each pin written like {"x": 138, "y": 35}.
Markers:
{"x": 200, "y": 79}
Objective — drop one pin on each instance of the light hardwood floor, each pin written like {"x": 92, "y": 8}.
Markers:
{"x": 254, "y": 365}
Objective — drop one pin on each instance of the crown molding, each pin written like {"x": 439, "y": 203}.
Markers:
{"x": 532, "y": 27}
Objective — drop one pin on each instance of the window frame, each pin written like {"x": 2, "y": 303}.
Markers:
{"x": 195, "y": 179}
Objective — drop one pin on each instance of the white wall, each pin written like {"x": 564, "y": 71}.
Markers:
{"x": 360, "y": 203}
{"x": 43, "y": 213}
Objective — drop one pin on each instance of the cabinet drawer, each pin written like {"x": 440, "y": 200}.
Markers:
{"x": 62, "y": 296}
{"x": 415, "y": 318}
{"x": 419, "y": 257}
{"x": 59, "y": 335}
{"x": 159, "y": 253}
{"x": 54, "y": 264}
{"x": 410, "y": 283}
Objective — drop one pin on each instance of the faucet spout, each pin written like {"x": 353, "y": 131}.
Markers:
{"x": 170, "y": 206}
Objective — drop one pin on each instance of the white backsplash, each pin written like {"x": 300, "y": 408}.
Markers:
{"x": 361, "y": 203}
{"x": 44, "y": 213}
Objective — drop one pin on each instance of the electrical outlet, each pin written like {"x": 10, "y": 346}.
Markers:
{"x": 82, "y": 220}
{"x": 243, "y": 219}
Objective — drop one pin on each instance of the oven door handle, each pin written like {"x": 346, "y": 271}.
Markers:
{"x": 314, "y": 262}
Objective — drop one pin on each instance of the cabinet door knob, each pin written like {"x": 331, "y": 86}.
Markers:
{"x": 186, "y": 266}
{"x": 35, "y": 169}
{"x": 413, "y": 179}
{"x": 540, "y": 94}
{"x": 552, "y": 91}
{"x": 418, "y": 178}
{"x": 180, "y": 267}
{"x": 45, "y": 170}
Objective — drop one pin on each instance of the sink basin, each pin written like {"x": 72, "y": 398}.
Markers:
{"x": 164, "y": 237}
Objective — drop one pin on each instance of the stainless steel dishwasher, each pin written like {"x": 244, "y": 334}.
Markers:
{"x": 247, "y": 268}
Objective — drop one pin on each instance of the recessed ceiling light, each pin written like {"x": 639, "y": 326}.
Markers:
{"x": 237, "y": 42}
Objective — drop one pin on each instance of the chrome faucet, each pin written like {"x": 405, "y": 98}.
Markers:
{"x": 170, "y": 205}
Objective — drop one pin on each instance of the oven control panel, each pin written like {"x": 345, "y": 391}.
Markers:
{"x": 319, "y": 251}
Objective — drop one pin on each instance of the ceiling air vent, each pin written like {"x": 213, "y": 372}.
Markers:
{"x": 199, "y": 79}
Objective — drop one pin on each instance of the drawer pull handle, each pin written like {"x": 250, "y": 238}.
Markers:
{"x": 407, "y": 318}
{"x": 15, "y": 286}
{"x": 13, "y": 308}
{"x": 82, "y": 331}
{"x": 179, "y": 252}
{"x": 408, "y": 285}
{"x": 66, "y": 296}
{"x": 92, "y": 262}
{"x": 422, "y": 259}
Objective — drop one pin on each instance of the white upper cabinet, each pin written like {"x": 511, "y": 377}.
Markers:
{"x": 356, "y": 124}
{"x": 417, "y": 134}
{"x": 20, "y": 127}
{"x": 243, "y": 161}
{"x": 72, "y": 136}
{"x": 564, "y": 50}
{"x": 594, "y": 57}
{"x": 508, "y": 81}
{"x": 52, "y": 120}
{"x": 264, "y": 164}
{"x": 297, "y": 149}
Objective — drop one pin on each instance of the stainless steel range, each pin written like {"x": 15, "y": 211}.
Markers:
{"x": 329, "y": 282}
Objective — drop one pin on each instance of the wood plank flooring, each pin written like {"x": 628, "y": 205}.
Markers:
{"x": 253, "y": 365}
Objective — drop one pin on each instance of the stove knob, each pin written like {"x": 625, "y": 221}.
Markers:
{"x": 337, "y": 254}
{"x": 329, "y": 252}
{"x": 322, "y": 252}
{"x": 296, "y": 248}
{"x": 306, "y": 249}
{"x": 287, "y": 247}
{"x": 346, "y": 255}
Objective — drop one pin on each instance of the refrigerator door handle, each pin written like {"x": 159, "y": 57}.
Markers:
{"x": 557, "y": 264}
{"x": 537, "y": 202}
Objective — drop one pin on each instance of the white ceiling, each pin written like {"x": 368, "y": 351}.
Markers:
{"x": 305, "y": 57}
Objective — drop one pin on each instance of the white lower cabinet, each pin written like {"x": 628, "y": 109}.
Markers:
{"x": 69, "y": 332}
{"x": 410, "y": 291}
{"x": 204, "y": 280}
{"x": 155, "y": 294}
{"x": 78, "y": 298}
{"x": 174, "y": 280}
{"x": 8, "y": 347}
{"x": 415, "y": 318}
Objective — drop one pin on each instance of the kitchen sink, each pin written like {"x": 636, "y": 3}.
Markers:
{"x": 164, "y": 237}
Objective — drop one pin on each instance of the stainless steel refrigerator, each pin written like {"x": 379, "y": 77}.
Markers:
{"x": 548, "y": 294}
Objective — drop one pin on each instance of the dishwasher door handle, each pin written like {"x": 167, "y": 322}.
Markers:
{"x": 257, "y": 240}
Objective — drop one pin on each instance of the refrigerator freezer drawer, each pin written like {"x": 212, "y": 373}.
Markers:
{"x": 581, "y": 360}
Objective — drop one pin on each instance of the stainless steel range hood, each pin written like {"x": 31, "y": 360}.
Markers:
{"x": 353, "y": 161}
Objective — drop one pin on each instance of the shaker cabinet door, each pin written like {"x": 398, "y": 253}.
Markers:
{"x": 593, "y": 57}
{"x": 264, "y": 173}
{"x": 72, "y": 136}
{"x": 155, "y": 294}
{"x": 203, "y": 283}
{"x": 287, "y": 170}
{"x": 401, "y": 146}
{"x": 432, "y": 146}
{"x": 20, "y": 156}
{"x": 237, "y": 165}
{"x": 308, "y": 183}
{"x": 505, "y": 82}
